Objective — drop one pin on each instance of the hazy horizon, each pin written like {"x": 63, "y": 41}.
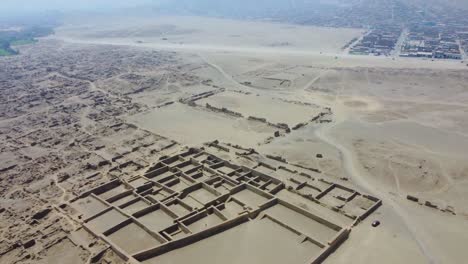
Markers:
{"x": 200, "y": 7}
{"x": 25, "y": 6}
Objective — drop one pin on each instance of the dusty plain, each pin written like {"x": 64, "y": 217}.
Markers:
{"x": 107, "y": 100}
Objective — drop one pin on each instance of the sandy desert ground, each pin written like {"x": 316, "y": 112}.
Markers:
{"x": 209, "y": 34}
{"x": 389, "y": 127}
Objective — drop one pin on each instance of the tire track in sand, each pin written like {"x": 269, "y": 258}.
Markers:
{"x": 353, "y": 169}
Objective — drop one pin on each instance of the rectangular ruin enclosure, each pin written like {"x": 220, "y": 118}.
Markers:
{"x": 232, "y": 209}
{"x": 179, "y": 209}
{"x": 306, "y": 225}
{"x": 159, "y": 195}
{"x": 235, "y": 215}
{"x": 177, "y": 183}
{"x": 106, "y": 221}
{"x": 132, "y": 238}
{"x": 205, "y": 222}
{"x": 135, "y": 183}
{"x": 259, "y": 241}
{"x": 157, "y": 220}
{"x": 262, "y": 106}
{"x": 89, "y": 206}
{"x": 250, "y": 198}
{"x": 195, "y": 126}
{"x": 124, "y": 200}
{"x": 113, "y": 192}
{"x": 135, "y": 207}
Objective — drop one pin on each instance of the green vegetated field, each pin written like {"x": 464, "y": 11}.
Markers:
{"x": 5, "y": 48}
{"x": 23, "y": 37}
{"x": 22, "y": 42}
{"x": 4, "y": 52}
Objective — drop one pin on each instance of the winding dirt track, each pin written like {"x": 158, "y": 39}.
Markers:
{"x": 354, "y": 170}
{"x": 351, "y": 168}
{"x": 351, "y": 165}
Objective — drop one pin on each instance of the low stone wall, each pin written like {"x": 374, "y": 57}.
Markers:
{"x": 277, "y": 158}
{"x": 341, "y": 237}
{"x": 282, "y": 126}
{"x": 165, "y": 104}
{"x": 223, "y": 110}
{"x": 368, "y": 212}
{"x": 448, "y": 208}
{"x": 192, "y": 99}
{"x": 298, "y": 126}
{"x": 307, "y": 168}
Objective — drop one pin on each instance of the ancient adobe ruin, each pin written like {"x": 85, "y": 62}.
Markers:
{"x": 197, "y": 205}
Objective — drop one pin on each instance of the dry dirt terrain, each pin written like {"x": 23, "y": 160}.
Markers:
{"x": 97, "y": 124}
{"x": 208, "y": 34}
